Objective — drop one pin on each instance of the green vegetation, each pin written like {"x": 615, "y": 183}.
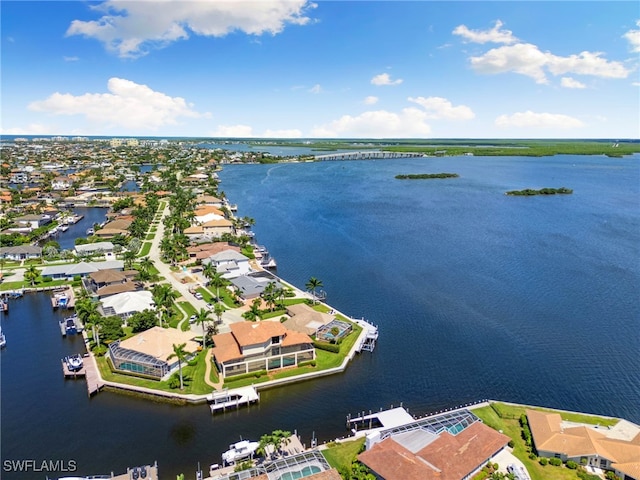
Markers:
{"x": 342, "y": 456}
{"x": 420, "y": 176}
{"x": 146, "y": 248}
{"x": 542, "y": 191}
{"x": 192, "y": 372}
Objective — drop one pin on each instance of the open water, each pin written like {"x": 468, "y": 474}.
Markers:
{"x": 477, "y": 295}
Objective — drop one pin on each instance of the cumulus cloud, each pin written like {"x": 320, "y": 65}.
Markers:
{"x": 494, "y": 35}
{"x": 127, "y": 104}
{"x": 240, "y": 131}
{"x": 633, "y": 37}
{"x": 70, "y": 59}
{"x": 568, "y": 82}
{"x": 385, "y": 79}
{"x": 286, "y": 133}
{"x": 527, "y": 59}
{"x": 438, "y": 107}
{"x": 246, "y": 131}
{"x": 130, "y": 28}
{"x": 531, "y": 119}
{"x": 32, "y": 129}
{"x": 316, "y": 89}
{"x": 409, "y": 123}
{"x": 370, "y": 100}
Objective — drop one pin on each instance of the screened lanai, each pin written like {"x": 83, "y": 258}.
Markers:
{"x": 136, "y": 362}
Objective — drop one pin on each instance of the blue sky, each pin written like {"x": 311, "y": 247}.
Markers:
{"x": 300, "y": 69}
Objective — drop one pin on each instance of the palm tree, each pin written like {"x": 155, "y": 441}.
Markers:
{"x": 218, "y": 309}
{"x": 179, "y": 353}
{"x": 254, "y": 311}
{"x": 163, "y": 296}
{"x": 31, "y": 274}
{"x": 217, "y": 281}
{"x": 312, "y": 284}
{"x": 202, "y": 317}
{"x": 128, "y": 257}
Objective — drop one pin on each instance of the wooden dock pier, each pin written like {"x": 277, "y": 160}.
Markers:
{"x": 88, "y": 372}
{"x": 220, "y": 401}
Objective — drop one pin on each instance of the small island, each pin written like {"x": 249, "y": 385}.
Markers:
{"x": 420, "y": 176}
{"x": 542, "y": 191}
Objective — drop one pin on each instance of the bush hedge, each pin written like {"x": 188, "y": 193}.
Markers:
{"x": 329, "y": 347}
{"x": 556, "y": 462}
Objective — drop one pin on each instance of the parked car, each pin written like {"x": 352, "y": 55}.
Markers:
{"x": 192, "y": 318}
{"x": 198, "y": 295}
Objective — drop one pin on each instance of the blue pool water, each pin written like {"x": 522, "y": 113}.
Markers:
{"x": 305, "y": 472}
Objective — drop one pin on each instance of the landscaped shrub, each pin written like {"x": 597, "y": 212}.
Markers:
{"x": 543, "y": 461}
{"x": 257, "y": 374}
{"x": 571, "y": 464}
{"x": 329, "y": 347}
{"x": 532, "y": 456}
{"x": 611, "y": 476}
{"x": 556, "y": 462}
{"x": 309, "y": 363}
{"x": 46, "y": 279}
{"x": 511, "y": 443}
{"x": 584, "y": 475}
{"x": 100, "y": 351}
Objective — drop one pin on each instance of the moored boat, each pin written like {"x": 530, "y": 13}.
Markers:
{"x": 74, "y": 362}
{"x": 239, "y": 450}
{"x": 3, "y": 339}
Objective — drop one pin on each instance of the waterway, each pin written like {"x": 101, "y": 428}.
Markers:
{"x": 477, "y": 295}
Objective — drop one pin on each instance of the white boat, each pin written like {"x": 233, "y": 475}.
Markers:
{"x": 74, "y": 362}
{"x": 3, "y": 339}
{"x": 90, "y": 231}
{"x": 239, "y": 450}
{"x": 63, "y": 228}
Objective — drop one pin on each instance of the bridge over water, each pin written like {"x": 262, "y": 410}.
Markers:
{"x": 366, "y": 155}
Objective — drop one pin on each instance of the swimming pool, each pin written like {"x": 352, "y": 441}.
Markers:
{"x": 305, "y": 472}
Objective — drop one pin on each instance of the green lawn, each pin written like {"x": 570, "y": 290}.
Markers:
{"x": 194, "y": 374}
{"x": 341, "y": 455}
{"x": 146, "y": 248}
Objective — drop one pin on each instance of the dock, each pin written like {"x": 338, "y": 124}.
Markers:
{"x": 78, "y": 323}
{"x": 88, "y": 372}
{"x": 63, "y": 299}
{"x": 367, "y": 340}
{"x": 221, "y": 401}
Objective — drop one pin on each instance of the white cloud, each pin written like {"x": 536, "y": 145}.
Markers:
{"x": 409, "y": 123}
{"x": 290, "y": 133}
{"x": 316, "y": 89}
{"x": 527, "y": 59}
{"x": 32, "y": 129}
{"x": 385, "y": 79}
{"x": 246, "y": 131}
{"x": 370, "y": 100}
{"x": 568, "y": 82}
{"x": 128, "y": 105}
{"x": 494, "y": 35}
{"x": 438, "y": 107}
{"x": 633, "y": 37}
{"x": 240, "y": 131}
{"x": 531, "y": 119}
{"x": 130, "y": 27}
{"x": 70, "y": 59}
{"x": 635, "y": 84}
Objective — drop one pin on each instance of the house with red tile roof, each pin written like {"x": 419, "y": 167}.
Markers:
{"x": 451, "y": 446}
{"x": 614, "y": 448}
{"x": 255, "y": 346}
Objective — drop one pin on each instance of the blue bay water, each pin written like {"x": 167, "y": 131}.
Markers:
{"x": 477, "y": 295}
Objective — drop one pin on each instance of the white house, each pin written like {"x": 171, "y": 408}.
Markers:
{"x": 126, "y": 304}
{"x": 229, "y": 263}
